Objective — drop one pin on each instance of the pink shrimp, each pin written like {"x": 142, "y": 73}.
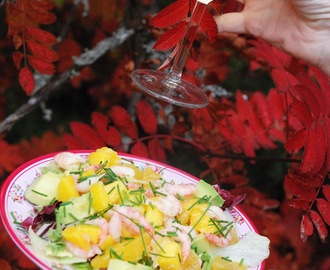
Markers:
{"x": 180, "y": 189}
{"x": 67, "y": 160}
{"x": 82, "y": 253}
{"x": 130, "y": 217}
{"x": 103, "y": 224}
{"x": 217, "y": 240}
{"x": 170, "y": 206}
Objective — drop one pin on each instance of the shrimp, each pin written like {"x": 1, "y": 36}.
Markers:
{"x": 180, "y": 189}
{"x": 131, "y": 218}
{"x": 123, "y": 170}
{"x": 169, "y": 205}
{"x": 103, "y": 224}
{"x": 67, "y": 160}
{"x": 220, "y": 241}
{"x": 85, "y": 186}
{"x": 82, "y": 253}
{"x": 217, "y": 240}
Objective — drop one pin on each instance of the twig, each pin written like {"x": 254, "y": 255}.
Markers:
{"x": 85, "y": 59}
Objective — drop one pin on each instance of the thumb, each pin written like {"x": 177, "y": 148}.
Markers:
{"x": 231, "y": 22}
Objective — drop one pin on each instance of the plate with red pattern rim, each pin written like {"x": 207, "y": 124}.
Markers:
{"x": 14, "y": 208}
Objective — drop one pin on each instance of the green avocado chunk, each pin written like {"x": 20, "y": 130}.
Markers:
{"x": 75, "y": 209}
{"x": 204, "y": 189}
{"x": 43, "y": 190}
{"x": 115, "y": 264}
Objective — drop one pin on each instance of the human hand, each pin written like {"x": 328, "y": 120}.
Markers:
{"x": 298, "y": 27}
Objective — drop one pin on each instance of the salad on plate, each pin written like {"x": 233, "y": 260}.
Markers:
{"x": 102, "y": 211}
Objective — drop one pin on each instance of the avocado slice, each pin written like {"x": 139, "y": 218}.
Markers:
{"x": 123, "y": 265}
{"x": 204, "y": 189}
{"x": 43, "y": 190}
{"x": 75, "y": 209}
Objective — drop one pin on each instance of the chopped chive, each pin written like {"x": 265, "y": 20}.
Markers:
{"x": 179, "y": 197}
{"x": 90, "y": 199}
{"x": 204, "y": 199}
{"x": 71, "y": 215}
{"x": 200, "y": 218}
{"x": 37, "y": 192}
{"x": 13, "y": 216}
{"x": 172, "y": 234}
{"x": 226, "y": 259}
{"x": 119, "y": 193}
{"x": 241, "y": 262}
{"x": 111, "y": 190}
{"x": 84, "y": 178}
{"x": 114, "y": 253}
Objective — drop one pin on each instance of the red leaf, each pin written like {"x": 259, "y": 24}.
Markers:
{"x": 41, "y": 66}
{"x": 26, "y": 80}
{"x": 319, "y": 224}
{"x": 42, "y": 5}
{"x": 17, "y": 58}
{"x": 260, "y": 102}
{"x": 323, "y": 81}
{"x": 110, "y": 135}
{"x": 324, "y": 209}
{"x": 42, "y": 51}
{"x": 209, "y": 26}
{"x": 41, "y": 17}
{"x": 171, "y": 38}
{"x": 306, "y": 227}
{"x": 86, "y": 135}
{"x": 146, "y": 116}
{"x": 40, "y": 35}
{"x": 301, "y": 111}
{"x": 326, "y": 192}
{"x": 277, "y": 103}
{"x": 308, "y": 96}
{"x": 171, "y": 15}
{"x": 299, "y": 189}
{"x": 296, "y": 141}
{"x": 299, "y": 204}
{"x": 156, "y": 150}
{"x": 326, "y": 122}
{"x": 140, "y": 149}
{"x": 283, "y": 80}
{"x": 314, "y": 150}
{"x": 122, "y": 120}
{"x": 73, "y": 143}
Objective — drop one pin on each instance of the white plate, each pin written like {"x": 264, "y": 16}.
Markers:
{"x": 14, "y": 208}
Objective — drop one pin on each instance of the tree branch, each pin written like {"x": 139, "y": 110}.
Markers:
{"x": 85, "y": 59}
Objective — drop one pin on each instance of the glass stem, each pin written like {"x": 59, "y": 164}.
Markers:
{"x": 180, "y": 58}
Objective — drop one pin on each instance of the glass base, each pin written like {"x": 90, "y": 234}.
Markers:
{"x": 175, "y": 91}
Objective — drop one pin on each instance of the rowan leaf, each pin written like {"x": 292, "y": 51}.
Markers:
{"x": 283, "y": 80}
{"x": 261, "y": 104}
{"x": 139, "y": 149}
{"x": 72, "y": 142}
{"x": 146, "y": 116}
{"x": 170, "y": 38}
{"x": 156, "y": 150}
{"x": 296, "y": 141}
{"x": 40, "y": 35}
{"x": 296, "y": 187}
{"x": 306, "y": 227}
{"x": 171, "y": 15}
{"x": 42, "y": 5}
{"x": 299, "y": 204}
{"x": 41, "y": 66}
{"x": 42, "y": 51}
{"x": 319, "y": 224}
{"x": 309, "y": 98}
{"x": 301, "y": 111}
{"x": 326, "y": 192}
{"x": 26, "y": 80}
{"x": 86, "y": 135}
{"x": 41, "y": 17}
{"x": 314, "y": 150}
{"x": 209, "y": 26}
{"x": 109, "y": 134}
{"x": 323, "y": 207}
{"x": 17, "y": 59}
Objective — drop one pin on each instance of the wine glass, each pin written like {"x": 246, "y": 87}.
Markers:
{"x": 169, "y": 85}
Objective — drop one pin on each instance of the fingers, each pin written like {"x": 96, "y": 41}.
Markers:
{"x": 231, "y": 22}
